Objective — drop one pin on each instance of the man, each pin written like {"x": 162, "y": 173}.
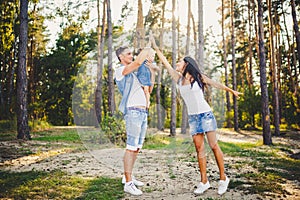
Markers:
{"x": 133, "y": 105}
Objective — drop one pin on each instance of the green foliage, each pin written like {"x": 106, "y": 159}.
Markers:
{"x": 114, "y": 128}
{"x": 249, "y": 106}
{"x": 59, "y": 72}
{"x": 37, "y": 125}
{"x": 8, "y": 125}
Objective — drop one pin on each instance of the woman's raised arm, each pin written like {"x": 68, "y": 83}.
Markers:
{"x": 173, "y": 73}
{"x": 219, "y": 85}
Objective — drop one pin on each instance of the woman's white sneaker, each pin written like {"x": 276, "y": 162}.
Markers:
{"x": 135, "y": 182}
{"x": 223, "y": 185}
{"x": 131, "y": 189}
{"x": 202, "y": 188}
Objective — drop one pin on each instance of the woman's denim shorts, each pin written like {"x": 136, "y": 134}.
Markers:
{"x": 202, "y": 123}
{"x": 136, "y": 127}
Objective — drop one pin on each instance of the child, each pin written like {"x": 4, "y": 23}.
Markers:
{"x": 145, "y": 73}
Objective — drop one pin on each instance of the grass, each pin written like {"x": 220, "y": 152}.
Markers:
{"x": 57, "y": 185}
{"x": 68, "y": 135}
{"x": 272, "y": 168}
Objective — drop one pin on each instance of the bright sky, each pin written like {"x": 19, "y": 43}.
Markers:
{"x": 211, "y": 16}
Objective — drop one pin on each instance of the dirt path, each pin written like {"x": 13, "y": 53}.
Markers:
{"x": 167, "y": 174}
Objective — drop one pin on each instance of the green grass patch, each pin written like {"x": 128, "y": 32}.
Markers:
{"x": 57, "y": 185}
{"x": 8, "y": 135}
{"x": 272, "y": 165}
{"x": 57, "y": 135}
{"x": 159, "y": 142}
{"x": 103, "y": 189}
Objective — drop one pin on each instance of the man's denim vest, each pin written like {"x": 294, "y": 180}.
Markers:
{"x": 124, "y": 86}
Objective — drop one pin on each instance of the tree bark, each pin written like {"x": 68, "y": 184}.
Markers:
{"x": 201, "y": 36}
{"x": 140, "y": 31}
{"x": 296, "y": 29}
{"x": 173, "y": 93}
{"x": 184, "y": 114}
{"x": 111, "y": 86}
{"x": 274, "y": 71}
{"x": 267, "y": 139}
{"x": 22, "y": 90}
{"x": 224, "y": 41}
{"x": 101, "y": 34}
{"x": 234, "y": 84}
{"x": 160, "y": 125}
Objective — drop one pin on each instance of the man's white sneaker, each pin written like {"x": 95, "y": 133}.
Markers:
{"x": 131, "y": 189}
{"x": 135, "y": 182}
{"x": 202, "y": 188}
{"x": 223, "y": 185}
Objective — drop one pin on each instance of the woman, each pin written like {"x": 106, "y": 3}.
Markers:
{"x": 191, "y": 84}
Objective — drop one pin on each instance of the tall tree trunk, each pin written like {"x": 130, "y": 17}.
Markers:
{"x": 267, "y": 138}
{"x": 184, "y": 114}
{"x": 111, "y": 87}
{"x": 195, "y": 35}
{"x": 140, "y": 31}
{"x": 297, "y": 35}
{"x": 101, "y": 34}
{"x": 201, "y": 35}
{"x": 234, "y": 84}
{"x": 173, "y": 93}
{"x": 160, "y": 125}
{"x": 249, "y": 70}
{"x": 22, "y": 90}
{"x": 291, "y": 53}
{"x": 224, "y": 41}
{"x": 296, "y": 29}
{"x": 274, "y": 70}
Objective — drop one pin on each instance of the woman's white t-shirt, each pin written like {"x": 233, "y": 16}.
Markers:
{"x": 193, "y": 98}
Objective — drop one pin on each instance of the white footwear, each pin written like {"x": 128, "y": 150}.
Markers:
{"x": 202, "y": 187}
{"x": 223, "y": 186}
{"x": 131, "y": 189}
{"x": 135, "y": 182}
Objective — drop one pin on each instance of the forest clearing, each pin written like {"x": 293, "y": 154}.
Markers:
{"x": 47, "y": 168}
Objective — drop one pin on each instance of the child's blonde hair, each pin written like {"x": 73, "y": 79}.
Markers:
{"x": 147, "y": 51}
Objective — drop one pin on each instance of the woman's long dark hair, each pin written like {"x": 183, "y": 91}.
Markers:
{"x": 193, "y": 69}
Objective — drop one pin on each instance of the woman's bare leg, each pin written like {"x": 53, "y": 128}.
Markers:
{"x": 199, "y": 145}
{"x": 213, "y": 143}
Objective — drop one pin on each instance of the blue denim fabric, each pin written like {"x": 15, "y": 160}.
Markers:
{"x": 124, "y": 86}
{"x": 144, "y": 75}
{"x": 136, "y": 126}
{"x": 203, "y": 122}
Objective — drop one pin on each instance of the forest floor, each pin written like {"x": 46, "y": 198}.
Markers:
{"x": 171, "y": 174}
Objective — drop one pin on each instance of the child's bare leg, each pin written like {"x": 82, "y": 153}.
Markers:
{"x": 147, "y": 94}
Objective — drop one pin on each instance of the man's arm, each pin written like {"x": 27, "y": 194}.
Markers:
{"x": 130, "y": 68}
{"x": 135, "y": 64}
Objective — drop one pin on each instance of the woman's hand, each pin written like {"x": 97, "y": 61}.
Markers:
{"x": 236, "y": 93}
{"x": 152, "y": 40}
